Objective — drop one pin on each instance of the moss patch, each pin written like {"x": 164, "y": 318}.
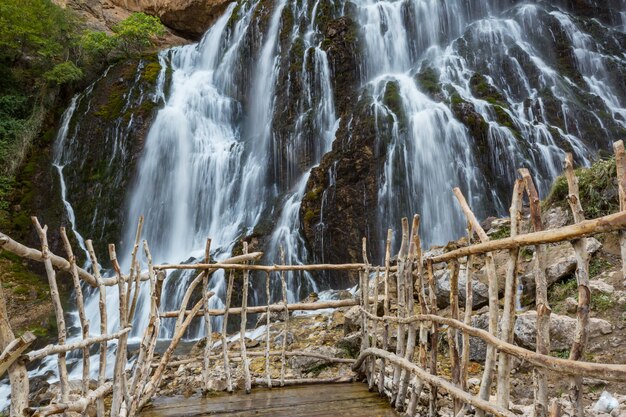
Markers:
{"x": 598, "y": 189}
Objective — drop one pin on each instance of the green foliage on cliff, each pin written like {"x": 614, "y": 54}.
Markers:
{"x": 134, "y": 34}
{"x": 44, "y": 47}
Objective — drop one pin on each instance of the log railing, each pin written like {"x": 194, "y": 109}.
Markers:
{"x": 418, "y": 326}
{"x": 415, "y": 271}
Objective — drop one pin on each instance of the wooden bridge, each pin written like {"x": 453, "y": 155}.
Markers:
{"x": 399, "y": 358}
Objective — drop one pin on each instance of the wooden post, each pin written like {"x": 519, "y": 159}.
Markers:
{"x": 401, "y": 304}
{"x": 620, "y": 162}
{"x": 584, "y": 295}
{"x": 135, "y": 272}
{"x": 490, "y": 360}
{"x": 374, "y": 311}
{"x": 283, "y": 286}
{"x": 119, "y": 373}
{"x": 148, "y": 343}
{"x": 103, "y": 323}
{"x": 543, "y": 308}
{"x": 58, "y": 308}
{"x": 434, "y": 339}
{"x": 268, "y": 373}
{"x": 381, "y": 376}
{"x": 467, "y": 319}
{"x": 84, "y": 323}
{"x": 410, "y": 302}
{"x": 364, "y": 284}
{"x": 244, "y": 305}
{"x": 208, "y": 346}
{"x": 18, "y": 376}
{"x": 453, "y": 333}
{"x": 229, "y": 296}
{"x": 510, "y": 292}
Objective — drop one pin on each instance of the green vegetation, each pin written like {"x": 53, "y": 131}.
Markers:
{"x": 598, "y": 190}
{"x": 563, "y": 354}
{"x": 598, "y": 265}
{"x": 561, "y": 290}
{"x": 601, "y": 302}
{"x": 501, "y": 233}
{"x": 44, "y": 47}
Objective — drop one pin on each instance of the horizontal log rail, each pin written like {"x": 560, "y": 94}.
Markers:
{"x": 610, "y": 223}
{"x": 59, "y": 262}
{"x": 265, "y": 268}
{"x": 425, "y": 376}
{"x": 78, "y": 406}
{"x": 56, "y": 349}
{"x": 273, "y": 308}
{"x": 237, "y": 356}
{"x": 611, "y": 372}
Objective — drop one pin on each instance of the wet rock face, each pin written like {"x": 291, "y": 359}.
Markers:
{"x": 188, "y": 17}
{"x": 342, "y": 192}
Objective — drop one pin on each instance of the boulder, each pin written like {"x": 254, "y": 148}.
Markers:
{"x": 305, "y": 364}
{"x": 562, "y": 330}
{"x": 442, "y": 290}
{"x": 352, "y": 320}
{"x": 274, "y": 317}
{"x": 189, "y": 17}
{"x": 350, "y": 344}
{"x": 598, "y": 286}
{"x": 571, "y": 305}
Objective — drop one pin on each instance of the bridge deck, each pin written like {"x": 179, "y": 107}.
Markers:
{"x": 298, "y": 401}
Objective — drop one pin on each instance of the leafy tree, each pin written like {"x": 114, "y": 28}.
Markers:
{"x": 136, "y": 32}
{"x": 64, "y": 73}
{"x": 96, "y": 46}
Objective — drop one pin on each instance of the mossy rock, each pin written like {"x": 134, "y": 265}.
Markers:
{"x": 597, "y": 186}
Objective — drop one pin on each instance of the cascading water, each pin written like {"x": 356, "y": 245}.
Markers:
{"x": 448, "y": 79}
{"x": 461, "y": 92}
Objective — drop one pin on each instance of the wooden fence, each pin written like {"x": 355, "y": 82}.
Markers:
{"x": 417, "y": 322}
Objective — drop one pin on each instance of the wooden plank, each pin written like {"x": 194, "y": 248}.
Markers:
{"x": 313, "y": 400}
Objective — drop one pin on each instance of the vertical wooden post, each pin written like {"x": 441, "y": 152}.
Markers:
{"x": 401, "y": 303}
{"x": 543, "y": 308}
{"x": 467, "y": 318}
{"x": 364, "y": 278}
{"x": 103, "y": 323}
{"x": 490, "y": 360}
{"x": 410, "y": 302}
{"x": 135, "y": 272}
{"x": 244, "y": 321}
{"x": 119, "y": 373}
{"x": 58, "y": 308}
{"x": 208, "y": 346}
{"x": 283, "y": 286}
{"x": 18, "y": 376}
{"x": 453, "y": 333}
{"x": 229, "y": 296}
{"x": 423, "y": 331}
{"x": 84, "y": 323}
{"x": 620, "y": 162}
{"x": 582, "y": 276}
{"x": 510, "y": 292}
{"x": 434, "y": 338}
{"x": 374, "y": 311}
{"x": 381, "y": 375}
{"x": 268, "y": 373}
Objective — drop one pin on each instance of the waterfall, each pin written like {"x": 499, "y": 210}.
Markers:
{"x": 435, "y": 68}
{"x": 461, "y": 93}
